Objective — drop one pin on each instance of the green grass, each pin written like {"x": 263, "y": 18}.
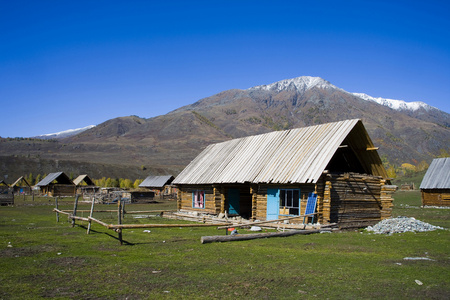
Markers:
{"x": 49, "y": 259}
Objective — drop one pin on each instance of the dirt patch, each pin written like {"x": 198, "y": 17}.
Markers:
{"x": 68, "y": 262}
{"x": 19, "y": 252}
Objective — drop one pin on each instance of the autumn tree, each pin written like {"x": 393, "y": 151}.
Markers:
{"x": 137, "y": 182}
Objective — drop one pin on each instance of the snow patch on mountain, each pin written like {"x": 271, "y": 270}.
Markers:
{"x": 302, "y": 84}
{"x": 65, "y": 133}
{"x": 396, "y": 104}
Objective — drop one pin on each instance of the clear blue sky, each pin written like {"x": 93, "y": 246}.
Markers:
{"x": 69, "y": 64}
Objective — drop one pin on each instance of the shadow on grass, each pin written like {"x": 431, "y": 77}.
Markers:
{"x": 124, "y": 242}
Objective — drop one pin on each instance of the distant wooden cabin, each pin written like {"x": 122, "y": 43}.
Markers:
{"x": 270, "y": 176}
{"x": 56, "y": 184}
{"x": 139, "y": 195}
{"x": 160, "y": 185}
{"x": 6, "y": 194}
{"x": 85, "y": 186}
{"x": 435, "y": 186}
{"x": 407, "y": 187}
{"x": 21, "y": 187}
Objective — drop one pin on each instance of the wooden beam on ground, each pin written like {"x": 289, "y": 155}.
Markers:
{"x": 243, "y": 237}
{"x": 263, "y": 222}
{"x": 128, "y": 226}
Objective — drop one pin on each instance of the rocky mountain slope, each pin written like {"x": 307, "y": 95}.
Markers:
{"x": 167, "y": 143}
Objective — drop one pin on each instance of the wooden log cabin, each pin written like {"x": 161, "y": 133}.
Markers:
{"x": 271, "y": 176}
{"x": 160, "y": 185}
{"x": 435, "y": 186}
{"x": 57, "y": 184}
{"x": 21, "y": 187}
{"x": 6, "y": 194}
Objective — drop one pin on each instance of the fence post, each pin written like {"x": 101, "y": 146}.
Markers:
{"x": 119, "y": 219}
{"x": 57, "y": 213}
{"x": 90, "y": 215}
{"x": 75, "y": 206}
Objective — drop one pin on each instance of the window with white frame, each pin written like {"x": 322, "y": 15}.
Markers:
{"x": 198, "y": 199}
{"x": 289, "y": 202}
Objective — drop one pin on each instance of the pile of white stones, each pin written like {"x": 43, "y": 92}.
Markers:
{"x": 401, "y": 225}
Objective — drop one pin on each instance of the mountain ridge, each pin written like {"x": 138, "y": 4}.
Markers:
{"x": 171, "y": 141}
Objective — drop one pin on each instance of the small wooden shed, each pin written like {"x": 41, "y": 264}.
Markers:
{"x": 435, "y": 186}
{"x": 85, "y": 186}
{"x": 160, "y": 185}
{"x": 271, "y": 176}
{"x": 21, "y": 187}
{"x": 56, "y": 184}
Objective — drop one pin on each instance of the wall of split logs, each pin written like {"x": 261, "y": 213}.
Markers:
{"x": 185, "y": 199}
{"x": 352, "y": 200}
{"x": 436, "y": 197}
{"x": 56, "y": 190}
{"x": 358, "y": 200}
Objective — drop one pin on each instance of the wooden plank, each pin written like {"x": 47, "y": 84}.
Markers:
{"x": 129, "y": 226}
{"x": 243, "y": 237}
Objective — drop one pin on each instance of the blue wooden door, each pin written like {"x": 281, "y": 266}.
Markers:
{"x": 273, "y": 204}
{"x": 233, "y": 201}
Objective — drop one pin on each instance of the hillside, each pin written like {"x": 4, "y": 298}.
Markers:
{"x": 167, "y": 143}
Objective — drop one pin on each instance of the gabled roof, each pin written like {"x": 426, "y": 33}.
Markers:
{"x": 437, "y": 175}
{"x": 2, "y": 182}
{"x": 156, "y": 181}
{"x": 293, "y": 156}
{"x": 84, "y": 178}
{"x": 60, "y": 177}
{"x": 18, "y": 180}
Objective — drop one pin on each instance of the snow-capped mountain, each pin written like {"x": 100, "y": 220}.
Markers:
{"x": 305, "y": 83}
{"x": 63, "y": 134}
{"x": 396, "y": 104}
{"x": 300, "y": 84}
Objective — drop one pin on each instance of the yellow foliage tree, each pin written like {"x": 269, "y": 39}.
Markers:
{"x": 391, "y": 172}
{"x": 422, "y": 166}
{"x": 137, "y": 182}
{"x": 409, "y": 167}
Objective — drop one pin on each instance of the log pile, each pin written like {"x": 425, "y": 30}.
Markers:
{"x": 357, "y": 200}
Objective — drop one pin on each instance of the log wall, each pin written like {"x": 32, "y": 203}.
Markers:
{"x": 259, "y": 198}
{"x": 358, "y": 200}
{"x": 211, "y": 199}
{"x": 436, "y": 197}
{"x": 61, "y": 190}
{"x": 351, "y": 200}
{"x": 6, "y": 196}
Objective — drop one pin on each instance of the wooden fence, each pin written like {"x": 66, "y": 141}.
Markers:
{"x": 72, "y": 216}
{"x": 119, "y": 227}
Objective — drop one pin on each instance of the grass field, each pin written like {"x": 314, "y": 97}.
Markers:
{"x": 40, "y": 258}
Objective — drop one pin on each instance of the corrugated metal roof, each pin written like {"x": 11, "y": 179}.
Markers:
{"x": 156, "y": 181}
{"x": 53, "y": 176}
{"x": 293, "y": 156}
{"x": 18, "y": 180}
{"x": 84, "y": 178}
{"x": 437, "y": 175}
